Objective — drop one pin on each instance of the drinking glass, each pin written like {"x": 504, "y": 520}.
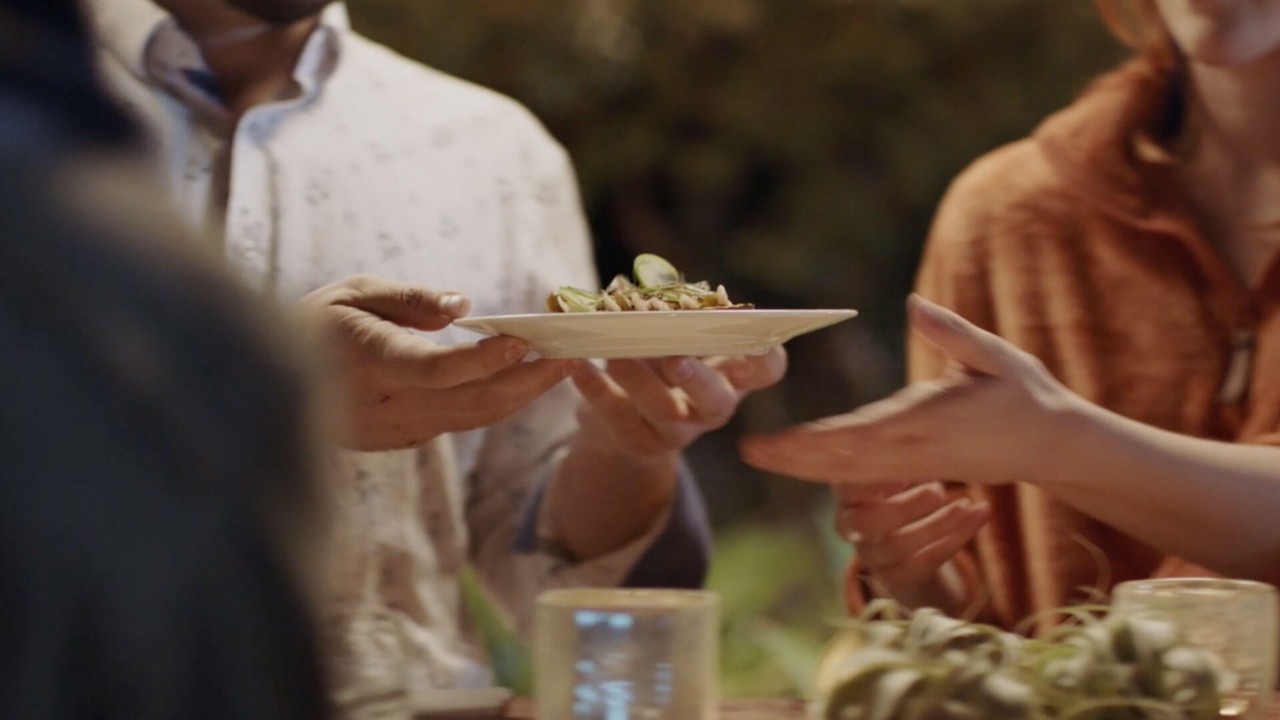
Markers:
{"x": 366, "y": 673}
{"x": 626, "y": 654}
{"x": 1236, "y": 620}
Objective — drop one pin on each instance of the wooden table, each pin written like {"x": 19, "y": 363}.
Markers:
{"x": 522, "y": 709}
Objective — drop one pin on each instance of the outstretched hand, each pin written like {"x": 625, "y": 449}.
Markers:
{"x": 985, "y": 421}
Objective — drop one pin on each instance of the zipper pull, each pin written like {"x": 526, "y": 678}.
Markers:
{"x": 1235, "y": 383}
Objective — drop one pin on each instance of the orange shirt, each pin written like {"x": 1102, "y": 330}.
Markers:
{"x": 1077, "y": 244}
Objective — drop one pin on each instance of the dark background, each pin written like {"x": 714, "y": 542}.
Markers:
{"x": 793, "y": 150}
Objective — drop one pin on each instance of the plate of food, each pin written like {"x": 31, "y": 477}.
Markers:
{"x": 654, "y": 313}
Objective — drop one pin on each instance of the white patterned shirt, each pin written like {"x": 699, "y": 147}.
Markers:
{"x": 376, "y": 164}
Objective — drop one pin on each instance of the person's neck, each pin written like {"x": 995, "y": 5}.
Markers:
{"x": 1234, "y": 112}
{"x": 251, "y": 67}
{"x": 1231, "y": 160}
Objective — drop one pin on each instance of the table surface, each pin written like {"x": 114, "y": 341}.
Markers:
{"x": 522, "y": 709}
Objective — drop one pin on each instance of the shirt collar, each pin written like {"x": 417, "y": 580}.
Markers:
{"x": 125, "y": 28}
{"x": 1112, "y": 146}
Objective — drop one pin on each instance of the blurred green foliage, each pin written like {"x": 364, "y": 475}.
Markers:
{"x": 776, "y": 583}
{"x": 794, "y": 150}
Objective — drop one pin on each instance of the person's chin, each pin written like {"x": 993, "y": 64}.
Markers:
{"x": 1231, "y": 38}
{"x": 281, "y": 12}
{"x": 1210, "y": 6}
{"x": 1222, "y": 51}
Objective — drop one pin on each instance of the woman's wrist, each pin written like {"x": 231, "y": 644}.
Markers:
{"x": 1075, "y": 428}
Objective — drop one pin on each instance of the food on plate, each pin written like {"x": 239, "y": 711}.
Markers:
{"x": 655, "y": 286}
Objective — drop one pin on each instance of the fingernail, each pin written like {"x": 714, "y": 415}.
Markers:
{"x": 682, "y": 371}
{"x": 923, "y": 309}
{"x": 517, "y": 351}
{"x": 934, "y": 314}
{"x": 452, "y": 304}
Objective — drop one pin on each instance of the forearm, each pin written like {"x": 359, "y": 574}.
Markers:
{"x": 1209, "y": 502}
{"x": 600, "y": 501}
{"x": 679, "y": 556}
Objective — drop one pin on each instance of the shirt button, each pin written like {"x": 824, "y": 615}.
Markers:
{"x": 258, "y": 128}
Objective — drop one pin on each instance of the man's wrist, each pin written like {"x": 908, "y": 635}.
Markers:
{"x": 597, "y": 445}
{"x": 600, "y": 499}
{"x": 646, "y": 480}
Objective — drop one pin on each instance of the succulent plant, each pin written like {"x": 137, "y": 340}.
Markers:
{"x": 896, "y": 665}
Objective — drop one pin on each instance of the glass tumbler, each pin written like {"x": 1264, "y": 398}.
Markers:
{"x": 601, "y": 654}
{"x": 1233, "y": 619}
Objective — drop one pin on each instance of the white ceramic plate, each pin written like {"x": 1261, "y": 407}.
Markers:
{"x": 696, "y": 333}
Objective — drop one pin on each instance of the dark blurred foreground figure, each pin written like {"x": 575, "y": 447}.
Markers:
{"x": 156, "y": 488}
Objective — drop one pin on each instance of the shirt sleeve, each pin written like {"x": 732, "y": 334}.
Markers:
{"x": 520, "y": 455}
